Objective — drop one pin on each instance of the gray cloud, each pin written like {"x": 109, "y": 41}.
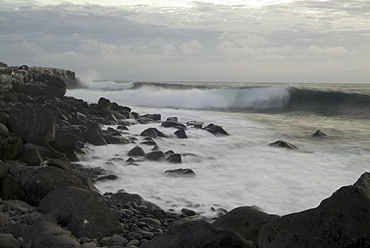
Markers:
{"x": 317, "y": 40}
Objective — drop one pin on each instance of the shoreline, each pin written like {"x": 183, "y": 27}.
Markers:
{"x": 44, "y": 132}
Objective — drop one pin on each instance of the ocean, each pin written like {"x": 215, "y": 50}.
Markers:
{"x": 240, "y": 169}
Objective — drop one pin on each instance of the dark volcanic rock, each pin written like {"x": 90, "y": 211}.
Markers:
{"x": 10, "y": 146}
{"x": 37, "y": 182}
{"x": 175, "y": 158}
{"x": 283, "y": 144}
{"x": 247, "y": 221}
{"x": 35, "y": 124}
{"x": 197, "y": 234}
{"x": 137, "y": 151}
{"x": 342, "y": 220}
{"x": 84, "y": 212}
{"x": 215, "y": 129}
{"x": 45, "y": 235}
{"x": 155, "y": 155}
{"x": 318, "y": 133}
{"x": 180, "y": 173}
{"x": 181, "y": 134}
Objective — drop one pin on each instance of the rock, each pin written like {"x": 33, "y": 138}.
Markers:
{"x": 85, "y": 213}
{"x": 154, "y": 117}
{"x": 8, "y": 241}
{"x": 195, "y": 124}
{"x": 44, "y": 84}
{"x": 47, "y": 235}
{"x": 4, "y": 118}
{"x": 318, "y": 133}
{"x": 180, "y": 173}
{"x": 342, "y": 220}
{"x": 215, "y": 129}
{"x": 137, "y": 151}
{"x": 37, "y": 182}
{"x": 189, "y": 212}
{"x": 35, "y": 124}
{"x": 155, "y": 155}
{"x": 31, "y": 155}
{"x": 19, "y": 206}
{"x": 64, "y": 137}
{"x": 283, "y": 144}
{"x": 11, "y": 146}
{"x": 150, "y": 132}
{"x": 59, "y": 163}
{"x": 175, "y": 158}
{"x": 197, "y": 234}
{"x": 173, "y": 123}
{"x": 94, "y": 135}
{"x": 181, "y": 134}
{"x": 126, "y": 197}
{"x": 104, "y": 103}
{"x": 247, "y": 221}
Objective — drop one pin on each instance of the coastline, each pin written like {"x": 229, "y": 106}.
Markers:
{"x": 44, "y": 132}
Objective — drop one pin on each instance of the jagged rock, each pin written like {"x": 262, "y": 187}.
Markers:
{"x": 35, "y": 124}
{"x": 64, "y": 137}
{"x": 94, "y": 135}
{"x": 318, "y": 133}
{"x": 11, "y": 146}
{"x": 247, "y": 221}
{"x": 45, "y": 235}
{"x": 283, "y": 144}
{"x": 197, "y": 234}
{"x": 8, "y": 241}
{"x": 342, "y": 220}
{"x": 137, "y": 151}
{"x": 155, "y": 155}
{"x": 45, "y": 83}
{"x": 175, "y": 158}
{"x": 37, "y": 182}
{"x": 85, "y": 213}
{"x": 180, "y": 173}
{"x": 181, "y": 134}
{"x": 195, "y": 124}
{"x": 31, "y": 155}
{"x": 104, "y": 103}
{"x": 215, "y": 129}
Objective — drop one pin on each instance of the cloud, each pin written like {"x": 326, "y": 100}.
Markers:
{"x": 324, "y": 52}
{"x": 190, "y": 47}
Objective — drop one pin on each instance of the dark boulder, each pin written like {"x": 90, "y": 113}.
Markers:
{"x": 173, "y": 123}
{"x": 31, "y": 155}
{"x": 154, "y": 117}
{"x": 342, "y": 220}
{"x": 35, "y": 124}
{"x": 318, "y": 133}
{"x": 180, "y": 173}
{"x": 247, "y": 221}
{"x": 175, "y": 158}
{"x": 181, "y": 134}
{"x": 149, "y": 132}
{"x": 45, "y": 84}
{"x": 8, "y": 241}
{"x": 137, "y": 151}
{"x": 46, "y": 234}
{"x": 283, "y": 144}
{"x": 11, "y": 146}
{"x": 155, "y": 155}
{"x": 85, "y": 213}
{"x": 64, "y": 137}
{"x": 215, "y": 129}
{"x": 197, "y": 234}
{"x": 195, "y": 124}
{"x": 104, "y": 103}
{"x": 37, "y": 182}
{"x": 94, "y": 135}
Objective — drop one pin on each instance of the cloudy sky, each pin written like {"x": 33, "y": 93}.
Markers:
{"x": 220, "y": 40}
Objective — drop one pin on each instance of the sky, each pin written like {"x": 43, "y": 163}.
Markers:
{"x": 184, "y": 40}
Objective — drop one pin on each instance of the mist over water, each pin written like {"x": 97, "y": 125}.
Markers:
{"x": 240, "y": 169}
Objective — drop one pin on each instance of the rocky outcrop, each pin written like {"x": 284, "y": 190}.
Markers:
{"x": 197, "y": 234}
{"x": 84, "y": 212}
{"x": 342, "y": 220}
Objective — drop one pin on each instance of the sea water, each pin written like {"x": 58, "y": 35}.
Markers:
{"x": 240, "y": 169}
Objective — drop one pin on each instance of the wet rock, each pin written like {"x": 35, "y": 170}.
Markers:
{"x": 8, "y": 241}
{"x": 283, "y": 144}
{"x": 137, "y": 151}
{"x": 155, "y": 155}
{"x": 175, "y": 158}
{"x": 35, "y": 124}
{"x": 195, "y": 124}
{"x": 46, "y": 235}
{"x": 11, "y": 146}
{"x": 342, "y": 220}
{"x": 181, "y": 134}
{"x": 215, "y": 129}
{"x": 84, "y": 212}
{"x": 31, "y": 155}
{"x": 150, "y": 132}
{"x": 318, "y": 133}
{"x": 188, "y": 212}
{"x": 247, "y": 221}
{"x": 197, "y": 234}
{"x": 180, "y": 173}
{"x": 94, "y": 135}
{"x": 104, "y": 103}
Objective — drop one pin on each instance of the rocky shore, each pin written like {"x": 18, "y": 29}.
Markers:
{"x": 48, "y": 200}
